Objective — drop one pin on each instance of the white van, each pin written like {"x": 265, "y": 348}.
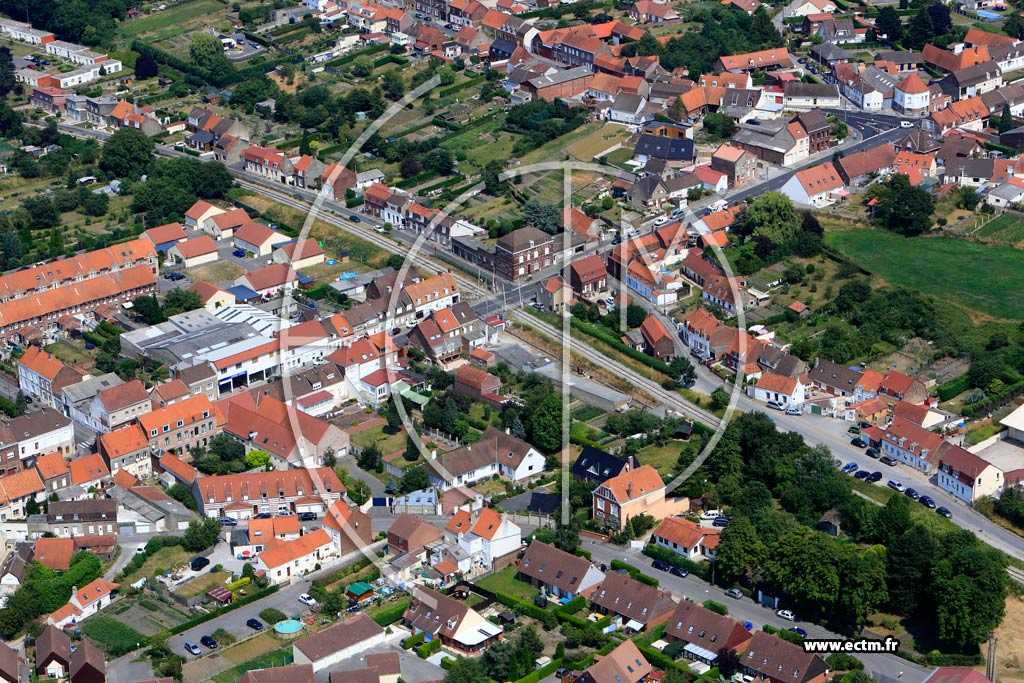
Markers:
{"x": 711, "y": 514}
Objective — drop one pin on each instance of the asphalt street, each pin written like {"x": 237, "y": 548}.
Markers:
{"x": 746, "y": 609}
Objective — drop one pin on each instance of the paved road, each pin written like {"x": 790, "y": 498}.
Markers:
{"x": 746, "y": 610}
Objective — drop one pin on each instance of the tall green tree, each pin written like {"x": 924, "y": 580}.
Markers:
{"x": 127, "y": 153}
{"x": 888, "y": 24}
{"x": 741, "y": 551}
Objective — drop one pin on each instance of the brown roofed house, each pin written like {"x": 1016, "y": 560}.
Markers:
{"x": 53, "y": 653}
{"x": 341, "y": 641}
{"x": 88, "y": 664}
{"x": 778, "y": 661}
{"x": 624, "y": 664}
{"x": 704, "y": 632}
{"x": 638, "y": 606}
{"x": 293, "y": 673}
{"x": 559, "y": 573}
{"x": 408, "y": 532}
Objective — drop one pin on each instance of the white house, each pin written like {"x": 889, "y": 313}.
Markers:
{"x": 911, "y": 96}
{"x": 911, "y": 445}
{"x": 294, "y": 559}
{"x": 786, "y": 391}
{"x": 686, "y": 538}
{"x": 193, "y": 252}
{"x": 813, "y": 7}
{"x": 84, "y": 603}
{"x": 816, "y": 186}
{"x": 496, "y": 453}
{"x": 966, "y": 476}
{"x": 490, "y": 537}
{"x": 258, "y": 239}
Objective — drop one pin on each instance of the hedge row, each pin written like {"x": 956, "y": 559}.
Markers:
{"x": 427, "y": 649}
{"x": 548, "y": 619}
{"x": 616, "y": 343}
{"x": 542, "y": 672}
{"x": 953, "y": 388}
{"x": 635, "y": 573}
{"x": 416, "y": 180}
{"x": 390, "y": 59}
{"x": 452, "y": 89}
{"x": 413, "y": 640}
{"x": 351, "y": 56}
{"x": 657, "y": 552}
{"x": 203, "y": 618}
{"x": 982, "y": 407}
{"x": 392, "y": 613}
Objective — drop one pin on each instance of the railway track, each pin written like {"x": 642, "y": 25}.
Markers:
{"x": 331, "y": 217}
{"x": 667, "y": 398}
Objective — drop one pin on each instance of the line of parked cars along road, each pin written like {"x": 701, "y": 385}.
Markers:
{"x": 255, "y": 624}
{"x": 875, "y": 477}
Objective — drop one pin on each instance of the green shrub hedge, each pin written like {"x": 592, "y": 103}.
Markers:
{"x": 413, "y": 640}
{"x": 203, "y": 618}
{"x": 391, "y": 613}
{"x": 635, "y": 573}
{"x": 429, "y": 648}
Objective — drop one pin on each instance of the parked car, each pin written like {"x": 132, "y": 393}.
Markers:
{"x": 228, "y": 521}
{"x": 944, "y": 512}
{"x": 720, "y": 522}
{"x": 255, "y": 624}
{"x": 799, "y": 631}
{"x": 911, "y": 494}
{"x": 786, "y": 614}
{"x": 354, "y": 218}
{"x": 734, "y": 593}
{"x": 140, "y": 549}
{"x": 661, "y": 565}
{"x": 897, "y": 486}
{"x": 850, "y": 468}
{"x": 858, "y": 442}
{"x": 199, "y": 562}
{"x": 285, "y": 513}
{"x": 906, "y": 124}
{"x": 307, "y": 516}
{"x": 872, "y": 453}
{"x": 927, "y": 502}
{"x": 873, "y": 478}
{"x": 679, "y": 571}
{"x": 887, "y": 460}
{"x": 794, "y": 411}
{"x": 307, "y": 599}
{"x": 853, "y": 430}
{"x": 775, "y": 405}
{"x": 710, "y": 514}
{"x": 240, "y": 253}
{"x": 209, "y": 642}
{"x": 192, "y": 648}
{"x": 862, "y": 474}
{"x": 661, "y": 220}
{"x": 263, "y": 515}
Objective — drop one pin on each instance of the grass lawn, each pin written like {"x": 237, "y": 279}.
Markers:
{"x": 217, "y": 272}
{"x": 68, "y": 352}
{"x": 983, "y": 432}
{"x": 202, "y": 583}
{"x": 169, "y": 21}
{"x": 388, "y": 443}
{"x": 163, "y": 559}
{"x": 977, "y": 276}
{"x": 662, "y": 458}
{"x": 581, "y": 430}
{"x": 505, "y": 581}
{"x": 919, "y": 514}
{"x": 555, "y": 150}
{"x": 280, "y": 657}
{"x": 619, "y": 157}
{"x": 1005, "y": 229}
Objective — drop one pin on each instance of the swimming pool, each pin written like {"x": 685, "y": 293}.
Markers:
{"x": 987, "y": 14}
{"x": 288, "y": 627}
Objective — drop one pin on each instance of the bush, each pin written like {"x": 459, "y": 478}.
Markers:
{"x": 413, "y": 640}
{"x": 840, "y": 661}
{"x": 115, "y": 638}
{"x": 546, "y": 618}
{"x": 540, "y": 673}
{"x": 424, "y": 651}
{"x": 953, "y": 388}
{"x": 391, "y": 613}
{"x": 635, "y": 573}
{"x": 271, "y": 616}
{"x": 716, "y": 607}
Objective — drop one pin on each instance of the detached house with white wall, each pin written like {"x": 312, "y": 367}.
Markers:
{"x": 966, "y": 476}
{"x": 912, "y": 445}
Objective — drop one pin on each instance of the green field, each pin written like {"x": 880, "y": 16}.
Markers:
{"x": 169, "y": 22}
{"x": 1005, "y": 229}
{"x": 505, "y": 581}
{"x": 114, "y": 637}
{"x": 980, "y": 277}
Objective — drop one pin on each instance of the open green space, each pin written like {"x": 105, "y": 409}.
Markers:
{"x": 665, "y": 458}
{"x": 1008, "y": 229}
{"x": 975, "y": 276}
{"x": 163, "y": 560}
{"x": 505, "y": 581}
{"x": 388, "y": 443}
{"x": 203, "y": 583}
{"x": 112, "y": 636}
{"x": 281, "y": 657}
{"x": 166, "y": 23}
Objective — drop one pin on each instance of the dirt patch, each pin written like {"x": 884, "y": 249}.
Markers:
{"x": 204, "y": 669}
{"x": 216, "y": 272}
{"x": 913, "y": 358}
{"x": 1011, "y": 642}
{"x": 250, "y": 649}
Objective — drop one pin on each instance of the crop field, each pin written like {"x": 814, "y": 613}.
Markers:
{"x": 975, "y": 276}
{"x": 171, "y": 21}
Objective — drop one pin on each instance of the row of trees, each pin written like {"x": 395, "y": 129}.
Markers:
{"x": 45, "y": 590}
{"x": 949, "y": 584}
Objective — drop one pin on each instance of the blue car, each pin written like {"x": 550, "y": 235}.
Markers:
{"x": 799, "y": 631}
{"x": 239, "y": 253}
{"x": 850, "y": 468}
